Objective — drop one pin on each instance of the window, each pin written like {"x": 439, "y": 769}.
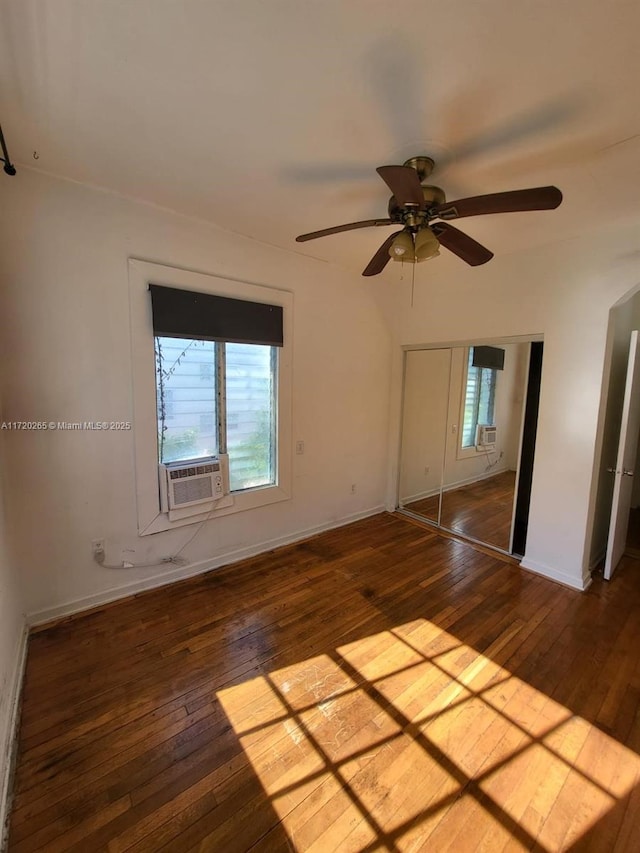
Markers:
{"x": 251, "y": 376}
{"x": 167, "y": 405}
{"x": 206, "y": 372}
{"x": 479, "y": 400}
{"x": 186, "y": 410}
{"x": 212, "y": 372}
{"x": 235, "y": 342}
{"x": 199, "y": 427}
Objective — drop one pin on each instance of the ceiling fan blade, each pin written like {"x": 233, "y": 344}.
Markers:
{"x": 382, "y": 257}
{"x": 313, "y": 235}
{"x": 404, "y": 183}
{"x": 461, "y": 244}
{"x": 538, "y": 198}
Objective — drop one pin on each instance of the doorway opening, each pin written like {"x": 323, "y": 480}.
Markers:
{"x": 616, "y": 516}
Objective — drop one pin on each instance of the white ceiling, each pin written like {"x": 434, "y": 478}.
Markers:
{"x": 268, "y": 117}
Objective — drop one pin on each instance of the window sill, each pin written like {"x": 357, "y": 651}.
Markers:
{"x": 468, "y": 452}
{"x": 235, "y": 502}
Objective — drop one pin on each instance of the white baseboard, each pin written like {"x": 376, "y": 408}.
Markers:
{"x": 556, "y": 575}
{"x": 450, "y": 487}
{"x": 9, "y": 747}
{"x": 182, "y": 572}
{"x": 420, "y": 496}
{"x": 487, "y": 475}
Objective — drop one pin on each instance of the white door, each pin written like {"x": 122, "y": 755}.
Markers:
{"x": 624, "y": 470}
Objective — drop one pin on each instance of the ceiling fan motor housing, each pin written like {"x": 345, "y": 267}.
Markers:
{"x": 423, "y": 166}
{"x": 432, "y": 196}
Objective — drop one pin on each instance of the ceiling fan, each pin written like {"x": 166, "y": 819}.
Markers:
{"x": 416, "y": 205}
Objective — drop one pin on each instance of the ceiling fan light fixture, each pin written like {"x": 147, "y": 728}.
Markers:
{"x": 427, "y": 245}
{"x": 402, "y": 248}
{"x": 414, "y": 204}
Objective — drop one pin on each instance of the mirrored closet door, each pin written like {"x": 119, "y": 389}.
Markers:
{"x": 424, "y": 431}
{"x": 463, "y": 412}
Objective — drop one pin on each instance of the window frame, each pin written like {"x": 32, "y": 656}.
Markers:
{"x": 471, "y": 450}
{"x": 150, "y": 517}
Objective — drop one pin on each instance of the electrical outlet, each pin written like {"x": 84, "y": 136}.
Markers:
{"x": 97, "y": 546}
{"x": 353, "y": 488}
{"x": 426, "y": 470}
{"x": 299, "y": 447}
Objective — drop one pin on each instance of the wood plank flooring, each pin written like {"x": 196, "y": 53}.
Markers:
{"x": 377, "y": 687}
{"x": 632, "y": 545}
{"x": 481, "y": 510}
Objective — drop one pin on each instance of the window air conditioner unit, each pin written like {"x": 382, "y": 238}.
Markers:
{"x": 486, "y": 436}
{"x": 193, "y": 481}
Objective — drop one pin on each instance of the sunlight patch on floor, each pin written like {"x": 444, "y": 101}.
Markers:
{"x": 410, "y": 740}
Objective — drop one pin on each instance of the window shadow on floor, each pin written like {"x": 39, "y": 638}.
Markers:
{"x": 378, "y": 687}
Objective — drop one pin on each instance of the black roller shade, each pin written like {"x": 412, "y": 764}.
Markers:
{"x": 491, "y": 357}
{"x": 185, "y": 314}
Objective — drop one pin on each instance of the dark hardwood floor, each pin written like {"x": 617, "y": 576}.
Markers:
{"x": 481, "y": 510}
{"x": 377, "y": 687}
{"x": 632, "y": 547}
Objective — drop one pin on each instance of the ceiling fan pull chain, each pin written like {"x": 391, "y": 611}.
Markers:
{"x": 413, "y": 283}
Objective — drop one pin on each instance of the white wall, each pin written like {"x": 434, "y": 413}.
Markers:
{"x": 66, "y": 340}
{"x": 12, "y": 645}
{"x": 65, "y": 344}
{"x": 563, "y": 291}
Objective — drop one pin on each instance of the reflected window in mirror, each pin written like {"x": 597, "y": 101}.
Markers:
{"x": 479, "y": 400}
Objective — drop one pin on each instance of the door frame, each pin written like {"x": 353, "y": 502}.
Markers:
{"x": 627, "y": 443}
{"x": 513, "y": 339}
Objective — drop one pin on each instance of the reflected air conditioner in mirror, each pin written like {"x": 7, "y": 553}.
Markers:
{"x": 486, "y": 437}
{"x": 192, "y": 483}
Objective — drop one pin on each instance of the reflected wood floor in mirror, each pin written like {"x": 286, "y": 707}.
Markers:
{"x": 481, "y": 510}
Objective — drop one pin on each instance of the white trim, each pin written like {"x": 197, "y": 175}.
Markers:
{"x": 478, "y": 342}
{"x": 471, "y": 452}
{"x": 419, "y": 496}
{"x": 556, "y": 575}
{"x": 76, "y": 606}
{"x": 10, "y": 746}
{"x": 141, "y": 273}
{"x": 451, "y": 487}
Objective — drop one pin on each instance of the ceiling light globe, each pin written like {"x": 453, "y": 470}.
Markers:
{"x": 402, "y": 248}
{"x": 427, "y": 245}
